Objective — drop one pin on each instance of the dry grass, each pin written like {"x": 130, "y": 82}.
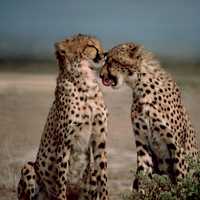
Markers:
{"x": 24, "y": 104}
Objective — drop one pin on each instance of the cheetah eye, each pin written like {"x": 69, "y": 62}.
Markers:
{"x": 97, "y": 57}
{"x": 93, "y": 53}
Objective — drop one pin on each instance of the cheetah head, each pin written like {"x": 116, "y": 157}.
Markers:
{"x": 122, "y": 64}
{"x": 82, "y": 49}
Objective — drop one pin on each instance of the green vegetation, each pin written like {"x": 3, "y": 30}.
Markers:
{"x": 161, "y": 188}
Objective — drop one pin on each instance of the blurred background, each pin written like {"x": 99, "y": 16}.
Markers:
{"x": 28, "y": 31}
{"x": 169, "y": 28}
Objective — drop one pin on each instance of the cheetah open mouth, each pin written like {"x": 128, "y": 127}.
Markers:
{"x": 110, "y": 81}
{"x": 107, "y": 82}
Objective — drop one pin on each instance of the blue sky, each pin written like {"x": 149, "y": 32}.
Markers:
{"x": 169, "y": 28}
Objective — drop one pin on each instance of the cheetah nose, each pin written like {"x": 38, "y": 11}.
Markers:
{"x": 101, "y": 76}
{"x": 105, "y": 54}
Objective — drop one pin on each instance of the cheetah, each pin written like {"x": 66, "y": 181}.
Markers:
{"x": 164, "y": 136}
{"x": 72, "y": 151}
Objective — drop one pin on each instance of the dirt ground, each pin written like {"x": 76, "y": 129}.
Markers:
{"x": 25, "y": 100}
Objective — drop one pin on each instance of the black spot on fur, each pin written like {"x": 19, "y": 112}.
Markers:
{"x": 138, "y": 143}
{"x": 171, "y": 146}
{"x": 102, "y": 165}
{"x": 102, "y": 145}
{"x": 141, "y": 153}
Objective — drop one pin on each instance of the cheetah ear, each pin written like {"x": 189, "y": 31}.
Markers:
{"x": 61, "y": 56}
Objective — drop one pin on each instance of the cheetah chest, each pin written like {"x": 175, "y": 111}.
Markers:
{"x": 81, "y": 151}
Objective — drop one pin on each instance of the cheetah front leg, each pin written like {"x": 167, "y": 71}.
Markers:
{"x": 63, "y": 155}
{"x": 145, "y": 157}
{"x": 89, "y": 189}
{"x": 144, "y": 161}
{"x": 29, "y": 187}
{"x": 98, "y": 142}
